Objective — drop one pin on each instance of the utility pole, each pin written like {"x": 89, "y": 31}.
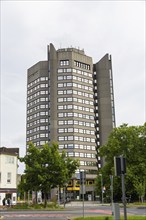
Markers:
{"x": 123, "y": 187}
{"x": 101, "y": 188}
{"x": 120, "y": 170}
{"x": 58, "y": 195}
{"x": 111, "y": 187}
{"x": 82, "y": 183}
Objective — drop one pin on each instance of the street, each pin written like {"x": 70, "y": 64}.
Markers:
{"x": 68, "y": 213}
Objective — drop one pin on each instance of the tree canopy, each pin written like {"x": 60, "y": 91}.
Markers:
{"x": 129, "y": 141}
{"x": 46, "y": 168}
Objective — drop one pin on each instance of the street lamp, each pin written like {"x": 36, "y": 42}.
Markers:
{"x": 101, "y": 188}
{"x": 111, "y": 187}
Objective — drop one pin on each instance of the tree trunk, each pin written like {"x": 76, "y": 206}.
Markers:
{"x": 45, "y": 199}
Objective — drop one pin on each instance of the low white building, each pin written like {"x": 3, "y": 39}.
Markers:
{"x": 8, "y": 174}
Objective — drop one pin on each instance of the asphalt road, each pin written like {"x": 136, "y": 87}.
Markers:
{"x": 68, "y": 213}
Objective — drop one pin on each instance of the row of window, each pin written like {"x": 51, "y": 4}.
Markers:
{"x": 33, "y": 137}
{"x": 37, "y": 101}
{"x": 74, "y": 114}
{"x": 37, "y": 115}
{"x": 64, "y": 62}
{"x": 75, "y": 92}
{"x": 37, "y": 80}
{"x": 82, "y": 65}
{"x": 76, "y": 63}
{"x": 42, "y": 120}
{"x": 41, "y": 128}
{"x": 39, "y": 143}
{"x": 74, "y": 99}
{"x": 70, "y": 70}
{"x": 71, "y": 77}
{"x": 76, "y": 138}
{"x": 43, "y": 99}
{"x": 42, "y": 85}
{"x": 87, "y": 163}
{"x": 36, "y": 108}
{"x": 77, "y": 146}
{"x": 76, "y": 130}
{"x": 80, "y": 154}
{"x": 75, "y": 85}
{"x": 76, "y": 122}
{"x": 43, "y": 92}
{"x": 75, "y": 107}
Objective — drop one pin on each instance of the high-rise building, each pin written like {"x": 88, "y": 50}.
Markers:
{"x": 70, "y": 100}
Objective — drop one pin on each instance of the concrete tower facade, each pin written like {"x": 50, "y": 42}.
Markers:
{"x": 70, "y": 100}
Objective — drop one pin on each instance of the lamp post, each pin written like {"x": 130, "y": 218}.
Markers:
{"x": 101, "y": 188}
{"x": 64, "y": 193}
{"x": 111, "y": 187}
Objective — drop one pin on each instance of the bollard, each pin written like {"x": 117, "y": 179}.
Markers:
{"x": 116, "y": 211}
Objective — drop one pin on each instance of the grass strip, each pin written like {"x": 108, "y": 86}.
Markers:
{"x": 111, "y": 218}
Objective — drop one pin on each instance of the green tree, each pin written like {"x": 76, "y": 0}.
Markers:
{"x": 46, "y": 168}
{"x": 140, "y": 189}
{"x": 129, "y": 141}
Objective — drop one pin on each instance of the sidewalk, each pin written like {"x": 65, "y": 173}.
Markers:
{"x": 80, "y": 203}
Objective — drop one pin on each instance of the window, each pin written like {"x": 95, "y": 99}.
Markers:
{"x": 60, "y": 77}
{"x": 60, "y": 92}
{"x": 60, "y": 115}
{"x": 43, "y": 78}
{"x": 43, "y": 120}
{"x": 68, "y": 84}
{"x": 10, "y": 159}
{"x": 60, "y": 99}
{"x": 70, "y": 138}
{"x": 60, "y": 85}
{"x": 82, "y": 65}
{"x": 43, "y": 113}
{"x": 43, "y": 85}
{"x": 43, "y": 92}
{"x": 70, "y": 122}
{"x": 70, "y": 129}
{"x": 70, "y": 146}
{"x": 8, "y": 177}
{"x": 61, "y": 130}
{"x": 60, "y": 70}
{"x": 42, "y": 142}
{"x": 64, "y": 62}
{"x": 69, "y": 91}
{"x": 69, "y": 107}
{"x": 81, "y": 155}
{"x": 61, "y": 138}
{"x": 82, "y": 163}
{"x": 60, "y": 106}
{"x": 42, "y": 135}
{"x": 70, "y": 154}
{"x": 61, "y": 122}
{"x": 61, "y": 146}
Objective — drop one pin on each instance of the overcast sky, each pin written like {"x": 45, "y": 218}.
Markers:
{"x": 98, "y": 27}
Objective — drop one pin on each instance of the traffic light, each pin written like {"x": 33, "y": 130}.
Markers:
{"x": 120, "y": 165}
{"x": 82, "y": 177}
